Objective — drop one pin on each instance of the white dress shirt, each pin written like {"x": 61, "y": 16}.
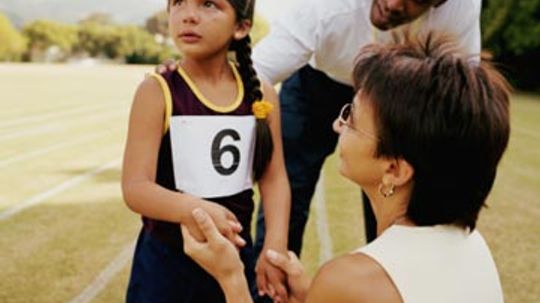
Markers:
{"x": 328, "y": 34}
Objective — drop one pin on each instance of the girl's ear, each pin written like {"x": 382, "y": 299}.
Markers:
{"x": 242, "y": 29}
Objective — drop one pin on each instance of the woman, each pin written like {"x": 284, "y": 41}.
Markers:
{"x": 422, "y": 137}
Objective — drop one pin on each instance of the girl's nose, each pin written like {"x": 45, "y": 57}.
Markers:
{"x": 190, "y": 14}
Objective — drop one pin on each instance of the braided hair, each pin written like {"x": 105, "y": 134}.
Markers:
{"x": 263, "y": 143}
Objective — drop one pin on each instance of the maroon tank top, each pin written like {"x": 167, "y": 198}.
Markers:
{"x": 186, "y": 102}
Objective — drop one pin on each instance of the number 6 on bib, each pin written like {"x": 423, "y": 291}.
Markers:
{"x": 212, "y": 155}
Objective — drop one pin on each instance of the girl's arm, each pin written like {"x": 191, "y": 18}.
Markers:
{"x": 276, "y": 197}
{"x": 274, "y": 184}
{"x": 140, "y": 191}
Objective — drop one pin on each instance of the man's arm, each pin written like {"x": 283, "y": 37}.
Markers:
{"x": 290, "y": 44}
{"x": 461, "y": 18}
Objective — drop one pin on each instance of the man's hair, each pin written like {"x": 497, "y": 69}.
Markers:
{"x": 444, "y": 113}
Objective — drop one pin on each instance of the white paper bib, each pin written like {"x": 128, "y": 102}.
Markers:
{"x": 212, "y": 155}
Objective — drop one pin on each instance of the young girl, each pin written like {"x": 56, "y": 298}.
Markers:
{"x": 198, "y": 137}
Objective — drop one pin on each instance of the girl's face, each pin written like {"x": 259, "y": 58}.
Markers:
{"x": 203, "y": 28}
{"x": 358, "y": 143}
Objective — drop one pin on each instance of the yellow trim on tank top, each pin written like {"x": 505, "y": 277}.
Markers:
{"x": 208, "y": 103}
{"x": 168, "y": 100}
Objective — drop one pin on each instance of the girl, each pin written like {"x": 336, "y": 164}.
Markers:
{"x": 198, "y": 137}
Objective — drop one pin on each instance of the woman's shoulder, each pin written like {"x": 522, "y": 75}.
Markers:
{"x": 352, "y": 278}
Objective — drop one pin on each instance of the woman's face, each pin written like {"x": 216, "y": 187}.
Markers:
{"x": 358, "y": 143}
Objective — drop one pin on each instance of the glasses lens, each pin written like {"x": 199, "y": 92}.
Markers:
{"x": 346, "y": 112}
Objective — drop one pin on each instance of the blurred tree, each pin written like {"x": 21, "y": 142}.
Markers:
{"x": 13, "y": 43}
{"x": 158, "y": 23}
{"x": 137, "y": 45}
{"x": 129, "y": 43}
{"x": 511, "y": 30}
{"x": 98, "y": 18}
{"x": 511, "y": 27}
{"x": 95, "y": 38}
{"x": 42, "y": 34}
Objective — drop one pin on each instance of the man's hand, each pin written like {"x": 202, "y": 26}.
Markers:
{"x": 167, "y": 65}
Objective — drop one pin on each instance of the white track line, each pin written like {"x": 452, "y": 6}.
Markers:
{"x": 101, "y": 281}
{"x": 60, "y": 125}
{"x": 55, "y": 114}
{"x": 326, "y": 249}
{"x": 42, "y": 151}
{"x": 43, "y": 196}
{"x": 30, "y": 132}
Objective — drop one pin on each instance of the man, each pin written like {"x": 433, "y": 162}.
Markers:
{"x": 312, "y": 48}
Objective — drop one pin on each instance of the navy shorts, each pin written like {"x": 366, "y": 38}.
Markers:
{"x": 162, "y": 273}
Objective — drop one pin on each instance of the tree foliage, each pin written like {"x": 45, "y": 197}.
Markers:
{"x": 511, "y": 27}
{"x": 158, "y": 23}
{"x": 511, "y": 31}
{"x": 43, "y": 34}
{"x": 13, "y": 44}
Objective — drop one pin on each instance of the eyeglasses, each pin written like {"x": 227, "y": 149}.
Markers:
{"x": 344, "y": 119}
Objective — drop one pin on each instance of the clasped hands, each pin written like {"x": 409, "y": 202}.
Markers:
{"x": 219, "y": 257}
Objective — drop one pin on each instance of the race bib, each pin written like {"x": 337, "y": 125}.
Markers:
{"x": 212, "y": 155}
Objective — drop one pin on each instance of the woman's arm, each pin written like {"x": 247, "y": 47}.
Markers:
{"x": 140, "y": 191}
{"x": 218, "y": 257}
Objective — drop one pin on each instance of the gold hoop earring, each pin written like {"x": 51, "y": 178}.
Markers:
{"x": 387, "y": 190}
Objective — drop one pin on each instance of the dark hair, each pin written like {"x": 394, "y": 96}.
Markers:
{"x": 264, "y": 145}
{"x": 444, "y": 113}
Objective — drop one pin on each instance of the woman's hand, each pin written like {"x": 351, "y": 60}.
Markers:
{"x": 271, "y": 280}
{"x": 297, "y": 279}
{"x": 215, "y": 253}
{"x": 225, "y": 221}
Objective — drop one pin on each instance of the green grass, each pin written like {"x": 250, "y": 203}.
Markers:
{"x": 52, "y": 251}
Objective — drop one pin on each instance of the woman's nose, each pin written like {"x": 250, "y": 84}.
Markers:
{"x": 396, "y": 6}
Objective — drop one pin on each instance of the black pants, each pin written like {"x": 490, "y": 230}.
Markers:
{"x": 310, "y": 101}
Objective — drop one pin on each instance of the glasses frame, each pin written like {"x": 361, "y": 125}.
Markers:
{"x": 344, "y": 120}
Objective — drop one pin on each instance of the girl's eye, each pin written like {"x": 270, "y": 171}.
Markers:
{"x": 177, "y": 2}
{"x": 209, "y": 4}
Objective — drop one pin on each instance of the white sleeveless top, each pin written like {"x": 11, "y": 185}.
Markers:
{"x": 443, "y": 264}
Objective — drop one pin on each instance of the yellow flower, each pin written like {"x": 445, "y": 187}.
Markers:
{"x": 261, "y": 109}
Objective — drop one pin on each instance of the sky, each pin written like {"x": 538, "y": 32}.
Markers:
{"x": 71, "y": 11}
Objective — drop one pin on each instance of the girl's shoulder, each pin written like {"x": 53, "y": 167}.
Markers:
{"x": 148, "y": 101}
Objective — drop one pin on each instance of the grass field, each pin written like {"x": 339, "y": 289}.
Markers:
{"x": 66, "y": 235}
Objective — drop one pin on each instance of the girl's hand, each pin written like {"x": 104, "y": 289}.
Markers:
{"x": 271, "y": 280}
{"x": 218, "y": 256}
{"x": 297, "y": 279}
